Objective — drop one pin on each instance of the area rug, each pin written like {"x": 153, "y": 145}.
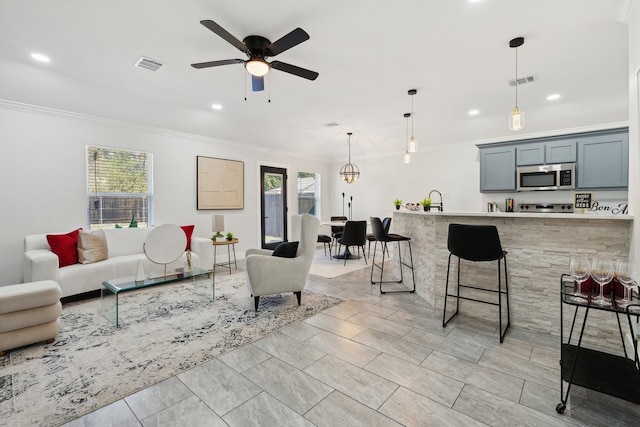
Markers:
{"x": 329, "y": 267}
{"x": 163, "y": 331}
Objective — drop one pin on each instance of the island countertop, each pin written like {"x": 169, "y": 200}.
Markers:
{"x": 539, "y": 246}
{"x": 520, "y": 215}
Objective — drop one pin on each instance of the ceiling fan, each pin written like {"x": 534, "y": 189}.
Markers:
{"x": 258, "y": 49}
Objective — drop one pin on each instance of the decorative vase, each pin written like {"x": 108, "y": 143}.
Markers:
{"x": 427, "y": 208}
{"x": 397, "y": 207}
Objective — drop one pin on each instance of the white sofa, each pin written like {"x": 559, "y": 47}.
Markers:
{"x": 125, "y": 249}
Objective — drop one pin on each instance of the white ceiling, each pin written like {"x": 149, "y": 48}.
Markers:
{"x": 368, "y": 54}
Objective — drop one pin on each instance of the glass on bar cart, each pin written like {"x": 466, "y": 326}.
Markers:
{"x": 602, "y": 272}
{"x": 580, "y": 269}
{"x": 627, "y": 275}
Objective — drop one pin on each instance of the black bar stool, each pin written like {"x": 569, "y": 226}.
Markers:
{"x": 383, "y": 237}
{"x": 477, "y": 243}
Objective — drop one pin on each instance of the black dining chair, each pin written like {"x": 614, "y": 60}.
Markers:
{"x": 383, "y": 237}
{"x": 336, "y": 230}
{"x": 386, "y": 224}
{"x": 477, "y": 243}
{"x": 354, "y": 234}
{"x": 326, "y": 241}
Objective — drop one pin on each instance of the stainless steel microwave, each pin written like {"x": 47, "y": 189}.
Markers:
{"x": 546, "y": 177}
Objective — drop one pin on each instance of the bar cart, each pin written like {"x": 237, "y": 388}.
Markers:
{"x": 607, "y": 373}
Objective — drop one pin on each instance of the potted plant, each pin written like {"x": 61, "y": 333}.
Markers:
{"x": 398, "y": 203}
{"x": 426, "y": 204}
{"x": 229, "y": 236}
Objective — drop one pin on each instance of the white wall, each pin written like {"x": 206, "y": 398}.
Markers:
{"x": 43, "y": 176}
{"x": 634, "y": 127}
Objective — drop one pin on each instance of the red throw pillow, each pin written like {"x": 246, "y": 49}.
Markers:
{"x": 65, "y": 246}
{"x": 188, "y": 231}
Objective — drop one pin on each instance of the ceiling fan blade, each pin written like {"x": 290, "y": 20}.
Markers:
{"x": 224, "y": 34}
{"x": 257, "y": 83}
{"x": 292, "y": 69}
{"x": 217, "y": 63}
{"x": 288, "y": 41}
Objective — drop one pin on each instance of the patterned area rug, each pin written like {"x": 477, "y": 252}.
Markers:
{"x": 163, "y": 330}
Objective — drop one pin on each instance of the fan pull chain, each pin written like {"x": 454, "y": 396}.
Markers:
{"x": 269, "y": 83}
{"x": 245, "y": 86}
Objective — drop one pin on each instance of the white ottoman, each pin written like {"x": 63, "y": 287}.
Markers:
{"x": 29, "y": 314}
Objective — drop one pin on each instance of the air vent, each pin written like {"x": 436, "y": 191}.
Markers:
{"x": 148, "y": 64}
{"x": 522, "y": 80}
{"x": 330, "y": 125}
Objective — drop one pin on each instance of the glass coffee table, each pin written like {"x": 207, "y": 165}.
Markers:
{"x": 114, "y": 287}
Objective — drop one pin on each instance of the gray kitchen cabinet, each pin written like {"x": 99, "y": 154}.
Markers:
{"x": 530, "y": 154}
{"x": 562, "y": 151}
{"x": 498, "y": 168}
{"x": 603, "y": 161}
{"x": 550, "y": 152}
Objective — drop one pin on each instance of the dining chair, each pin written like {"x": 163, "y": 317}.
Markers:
{"x": 354, "y": 234}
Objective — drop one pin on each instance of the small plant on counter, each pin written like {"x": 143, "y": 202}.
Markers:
{"x": 398, "y": 203}
{"x": 229, "y": 236}
{"x": 426, "y": 203}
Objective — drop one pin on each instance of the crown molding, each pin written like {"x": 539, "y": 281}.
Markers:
{"x": 624, "y": 11}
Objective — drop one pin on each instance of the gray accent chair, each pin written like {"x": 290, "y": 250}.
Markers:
{"x": 268, "y": 274}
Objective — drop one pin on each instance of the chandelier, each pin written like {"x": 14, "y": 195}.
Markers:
{"x": 349, "y": 172}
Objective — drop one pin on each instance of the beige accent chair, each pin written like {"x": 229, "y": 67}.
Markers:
{"x": 29, "y": 314}
{"x": 268, "y": 274}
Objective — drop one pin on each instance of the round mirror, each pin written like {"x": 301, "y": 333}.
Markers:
{"x": 165, "y": 244}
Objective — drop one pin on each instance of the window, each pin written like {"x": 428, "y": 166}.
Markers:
{"x": 309, "y": 193}
{"x": 119, "y": 188}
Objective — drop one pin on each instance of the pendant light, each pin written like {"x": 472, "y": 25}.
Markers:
{"x": 349, "y": 172}
{"x": 412, "y": 143}
{"x": 516, "y": 117}
{"x": 407, "y": 156}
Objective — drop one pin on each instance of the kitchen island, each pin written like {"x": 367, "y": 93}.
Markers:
{"x": 538, "y": 246}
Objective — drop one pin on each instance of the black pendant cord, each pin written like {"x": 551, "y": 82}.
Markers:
{"x": 517, "y": 77}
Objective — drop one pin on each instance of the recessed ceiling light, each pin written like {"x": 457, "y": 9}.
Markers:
{"x": 40, "y": 57}
{"x": 474, "y": 112}
{"x": 553, "y": 97}
{"x": 216, "y": 106}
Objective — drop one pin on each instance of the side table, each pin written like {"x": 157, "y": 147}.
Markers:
{"x": 230, "y": 244}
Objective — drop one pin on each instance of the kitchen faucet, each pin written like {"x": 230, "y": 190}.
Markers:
{"x": 440, "y": 206}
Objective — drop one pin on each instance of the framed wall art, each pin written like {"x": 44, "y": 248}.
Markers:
{"x": 220, "y": 183}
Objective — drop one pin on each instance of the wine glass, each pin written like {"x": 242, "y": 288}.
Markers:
{"x": 602, "y": 272}
{"x": 626, "y": 274}
{"x": 580, "y": 269}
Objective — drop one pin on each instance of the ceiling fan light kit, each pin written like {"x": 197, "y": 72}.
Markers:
{"x": 257, "y": 67}
{"x": 257, "y": 49}
{"x": 349, "y": 172}
{"x": 516, "y": 117}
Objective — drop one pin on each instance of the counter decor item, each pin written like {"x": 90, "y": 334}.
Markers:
{"x": 508, "y": 205}
{"x": 426, "y": 204}
{"x": 398, "y": 203}
{"x": 412, "y": 206}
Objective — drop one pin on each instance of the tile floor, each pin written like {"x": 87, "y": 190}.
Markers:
{"x": 372, "y": 361}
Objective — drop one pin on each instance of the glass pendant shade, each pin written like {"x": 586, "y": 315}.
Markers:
{"x": 516, "y": 119}
{"x": 413, "y": 145}
{"x": 257, "y": 67}
{"x": 407, "y": 157}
